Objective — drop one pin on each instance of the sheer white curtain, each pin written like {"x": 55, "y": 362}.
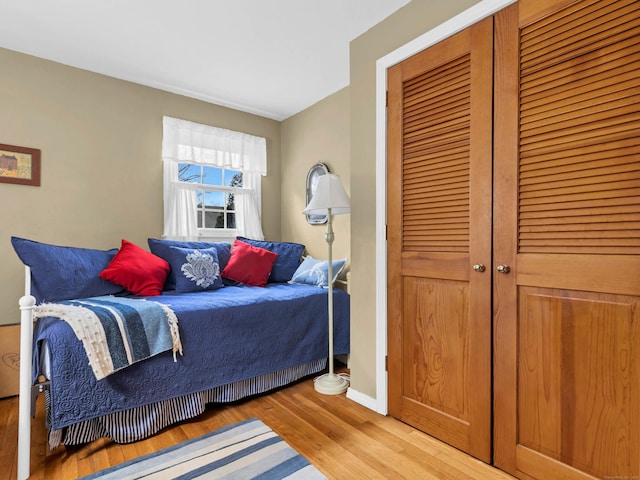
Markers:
{"x": 185, "y": 141}
{"x": 248, "y": 212}
{"x": 180, "y": 206}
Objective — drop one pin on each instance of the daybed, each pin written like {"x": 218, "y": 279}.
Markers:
{"x": 241, "y": 332}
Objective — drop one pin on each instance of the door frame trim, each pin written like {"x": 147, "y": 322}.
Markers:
{"x": 468, "y": 17}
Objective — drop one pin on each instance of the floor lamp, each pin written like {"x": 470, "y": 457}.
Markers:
{"x": 329, "y": 199}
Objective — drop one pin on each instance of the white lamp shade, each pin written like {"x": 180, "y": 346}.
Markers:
{"x": 329, "y": 194}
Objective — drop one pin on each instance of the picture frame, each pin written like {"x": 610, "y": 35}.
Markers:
{"x": 312, "y": 181}
{"x": 20, "y": 165}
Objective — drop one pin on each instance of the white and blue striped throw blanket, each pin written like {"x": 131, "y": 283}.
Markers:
{"x": 117, "y": 331}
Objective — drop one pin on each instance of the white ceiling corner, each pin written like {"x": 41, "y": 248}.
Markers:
{"x": 272, "y": 58}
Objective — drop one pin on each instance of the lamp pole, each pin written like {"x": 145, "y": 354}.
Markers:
{"x": 330, "y": 383}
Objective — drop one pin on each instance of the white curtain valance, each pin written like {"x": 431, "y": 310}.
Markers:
{"x": 185, "y": 141}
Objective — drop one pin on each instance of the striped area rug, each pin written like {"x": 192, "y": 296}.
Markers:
{"x": 243, "y": 451}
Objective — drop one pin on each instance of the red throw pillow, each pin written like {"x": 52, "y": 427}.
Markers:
{"x": 140, "y": 272}
{"x": 249, "y": 265}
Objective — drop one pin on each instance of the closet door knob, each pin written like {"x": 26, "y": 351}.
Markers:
{"x": 479, "y": 267}
{"x": 504, "y": 268}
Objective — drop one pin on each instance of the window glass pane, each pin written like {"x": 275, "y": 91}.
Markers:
{"x": 214, "y": 199}
{"x": 212, "y": 176}
{"x": 215, "y": 209}
{"x": 199, "y": 198}
{"x": 232, "y": 178}
{"x": 189, "y": 173}
{"x": 213, "y": 219}
{"x": 230, "y": 201}
{"x": 231, "y": 220}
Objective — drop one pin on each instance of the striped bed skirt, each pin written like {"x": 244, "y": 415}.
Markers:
{"x": 141, "y": 422}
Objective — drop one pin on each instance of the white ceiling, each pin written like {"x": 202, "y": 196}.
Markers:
{"x": 269, "y": 57}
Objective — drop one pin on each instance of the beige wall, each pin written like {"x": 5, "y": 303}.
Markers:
{"x": 319, "y": 134}
{"x": 403, "y": 26}
{"x": 101, "y": 167}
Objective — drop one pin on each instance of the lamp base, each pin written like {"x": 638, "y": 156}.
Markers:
{"x": 331, "y": 384}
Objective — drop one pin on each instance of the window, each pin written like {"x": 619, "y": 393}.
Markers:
{"x": 215, "y": 194}
{"x": 212, "y": 181}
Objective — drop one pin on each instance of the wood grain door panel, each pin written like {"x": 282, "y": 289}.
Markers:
{"x": 439, "y": 225}
{"x": 577, "y": 379}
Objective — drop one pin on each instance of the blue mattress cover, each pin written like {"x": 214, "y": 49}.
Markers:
{"x": 228, "y": 335}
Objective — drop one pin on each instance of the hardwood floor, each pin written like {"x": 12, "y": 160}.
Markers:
{"x": 343, "y": 439}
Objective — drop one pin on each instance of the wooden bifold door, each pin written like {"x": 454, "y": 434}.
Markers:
{"x": 514, "y": 239}
{"x": 439, "y": 223}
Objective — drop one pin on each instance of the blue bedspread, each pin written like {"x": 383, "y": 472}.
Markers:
{"x": 227, "y": 335}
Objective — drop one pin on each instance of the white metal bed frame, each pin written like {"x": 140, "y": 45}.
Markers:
{"x": 27, "y": 302}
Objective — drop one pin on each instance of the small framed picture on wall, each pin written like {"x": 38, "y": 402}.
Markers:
{"x": 19, "y": 165}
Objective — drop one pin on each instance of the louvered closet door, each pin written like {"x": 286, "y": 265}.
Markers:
{"x": 567, "y": 315}
{"x": 439, "y": 226}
